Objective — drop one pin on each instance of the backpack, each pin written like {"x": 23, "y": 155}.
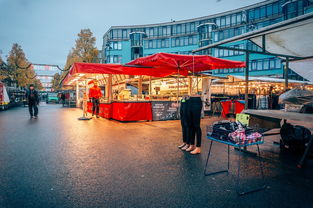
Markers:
{"x": 295, "y": 137}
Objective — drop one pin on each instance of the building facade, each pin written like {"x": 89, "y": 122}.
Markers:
{"x": 45, "y": 74}
{"x": 122, "y": 44}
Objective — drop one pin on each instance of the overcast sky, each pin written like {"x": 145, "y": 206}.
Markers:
{"x": 47, "y": 29}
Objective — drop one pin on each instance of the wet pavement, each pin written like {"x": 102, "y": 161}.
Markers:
{"x": 58, "y": 161}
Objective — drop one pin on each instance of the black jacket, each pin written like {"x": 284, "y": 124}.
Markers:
{"x": 32, "y": 96}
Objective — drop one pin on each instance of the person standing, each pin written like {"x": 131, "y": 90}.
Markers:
{"x": 32, "y": 98}
{"x": 95, "y": 94}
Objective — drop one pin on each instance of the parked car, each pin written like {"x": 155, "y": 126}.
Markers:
{"x": 52, "y": 97}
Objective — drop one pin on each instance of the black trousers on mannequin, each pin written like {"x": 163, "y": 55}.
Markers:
{"x": 183, "y": 120}
{"x": 95, "y": 106}
{"x": 193, "y": 118}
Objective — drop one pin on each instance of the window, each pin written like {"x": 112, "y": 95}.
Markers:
{"x": 183, "y": 28}
{"x": 276, "y": 8}
{"x": 177, "y": 41}
{"x": 231, "y": 53}
{"x": 239, "y": 18}
{"x": 253, "y": 65}
{"x": 278, "y": 63}
{"x": 154, "y": 44}
{"x": 272, "y": 63}
{"x": 188, "y": 29}
{"x": 227, "y": 20}
{"x": 190, "y": 42}
{"x": 119, "y": 33}
{"x": 263, "y": 12}
{"x": 223, "y": 21}
{"x": 186, "y": 41}
{"x": 164, "y": 30}
{"x": 218, "y": 21}
{"x": 150, "y": 44}
{"x": 251, "y": 14}
{"x": 221, "y": 53}
{"x": 125, "y": 35}
{"x": 269, "y": 10}
{"x": 257, "y": 13}
{"x": 192, "y": 27}
{"x": 178, "y": 29}
{"x": 215, "y": 36}
{"x": 155, "y": 31}
{"x": 266, "y": 64}
{"x": 233, "y": 19}
{"x": 160, "y": 31}
{"x": 151, "y": 32}
{"x": 231, "y": 32}
{"x": 195, "y": 39}
{"x": 221, "y": 35}
{"x": 260, "y": 65}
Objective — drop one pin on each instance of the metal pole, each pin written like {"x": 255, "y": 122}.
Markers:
{"x": 178, "y": 86}
{"x": 77, "y": 94}
{"x": 150, "y": 87}
{"x": 247, "y": 80}
{"x": 286, "y": 73}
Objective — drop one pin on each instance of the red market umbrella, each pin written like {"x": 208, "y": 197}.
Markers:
{"x": 183, "y": 64}
{"x": 95, "y": 68}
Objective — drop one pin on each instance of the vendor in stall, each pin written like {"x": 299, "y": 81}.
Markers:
{"x": 95, "y": 94}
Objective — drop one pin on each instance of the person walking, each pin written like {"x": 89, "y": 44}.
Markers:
{"x": 95, "y": 94}
{"x": 32, "y": 98}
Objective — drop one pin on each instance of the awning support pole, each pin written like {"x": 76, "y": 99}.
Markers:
{"x": 190, "y": 85}
{"x": 150, "y": 87}
{"x": 286, "y": 73}
{"x": 109, "y": 88}
{"x": 139, "y": 86}
{"x": 247, "y": 80}
{"x": 77, "y": 94}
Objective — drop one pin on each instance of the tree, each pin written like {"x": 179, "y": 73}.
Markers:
{"x": 85, "y": 48}
{"x": 84, "y": 51}
{"x": 56, "y": 81}
{"x": 19, "y": 69}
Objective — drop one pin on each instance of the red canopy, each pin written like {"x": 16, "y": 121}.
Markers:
{"x": 157, "y": 65}
{"x": 183, "y": 64}
{"x": 93, "y": 68}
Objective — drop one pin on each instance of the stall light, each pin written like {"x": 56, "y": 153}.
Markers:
{"x": 81, "y": 75}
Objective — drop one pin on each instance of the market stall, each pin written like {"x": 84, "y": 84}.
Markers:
{"x": 141, "y": 90}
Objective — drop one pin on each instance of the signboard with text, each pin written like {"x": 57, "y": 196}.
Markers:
{"x": 164, "y": 110}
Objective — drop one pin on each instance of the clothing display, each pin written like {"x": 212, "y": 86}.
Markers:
{"x": 234, "y": 132}
{"x": 262, "y": 102}
{"x": 232, "y": 107}
{"x": 183, "y": 119}
{"x": 194, "y": 108}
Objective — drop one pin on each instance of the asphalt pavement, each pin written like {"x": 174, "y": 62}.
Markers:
{"x": 59, "y": 161}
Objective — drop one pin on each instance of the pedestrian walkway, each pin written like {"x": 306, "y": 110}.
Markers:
{"x": 59, "y": 161}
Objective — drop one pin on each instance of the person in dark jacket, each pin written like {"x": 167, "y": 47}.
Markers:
{"x": 32, "y": 98}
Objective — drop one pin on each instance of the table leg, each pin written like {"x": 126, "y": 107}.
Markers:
{"x": 241, "y": 193}
{"x": 306, "y": 153}
{"x": 207, "y": 161}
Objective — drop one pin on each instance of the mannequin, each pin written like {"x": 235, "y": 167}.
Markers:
{"x": 184, "y": 122}
{"x": 194, "y": 110}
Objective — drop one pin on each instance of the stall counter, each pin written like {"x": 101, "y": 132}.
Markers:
{"x": 125, "y": 110}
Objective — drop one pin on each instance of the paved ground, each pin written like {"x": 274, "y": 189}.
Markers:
{"x": 58, "y": 161}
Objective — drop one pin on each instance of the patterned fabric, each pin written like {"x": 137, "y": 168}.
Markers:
{"x": 262, "y": 102}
